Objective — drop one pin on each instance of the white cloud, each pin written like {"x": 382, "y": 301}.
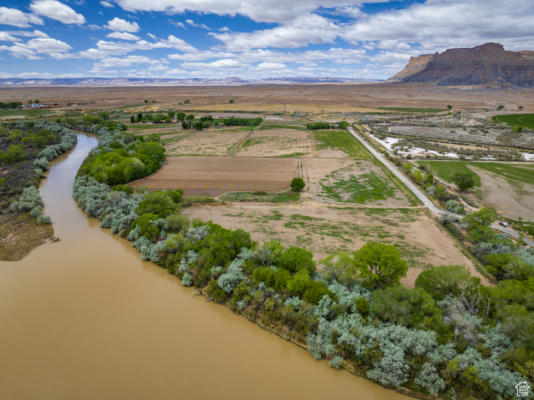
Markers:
{"x": 106, "y": 48}
{"x": 106, "y": 4}
{"x": 115, "y": 62}
{"x": 48, "y": 46}
{"x": 14, "y": 17}
{"x": 304, "y": 30}
{"x": 121, "y": 25}
{"x": 439, "y": 24}
{"x": 52, "y": 47}
{"x": 122, "y": 36}
{"x": 270, "y": 65}
{"x": 6, "y": 37}
{"x": 151, "y": 36}
{"x": 262, "y": 11}
{"x": 19, "y": 51}
{"x": 55, "y": 10}
{"x": 196, "y": 25}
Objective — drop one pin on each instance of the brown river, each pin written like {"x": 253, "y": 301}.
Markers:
{"x": 85, "y": 318}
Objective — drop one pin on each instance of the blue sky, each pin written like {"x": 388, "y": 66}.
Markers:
{"x": 246, "y": 38}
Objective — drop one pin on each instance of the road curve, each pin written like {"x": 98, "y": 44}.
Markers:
{"x": 438, "y": 212}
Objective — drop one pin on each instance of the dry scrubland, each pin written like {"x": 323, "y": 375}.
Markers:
{"x": 331, "y": 96}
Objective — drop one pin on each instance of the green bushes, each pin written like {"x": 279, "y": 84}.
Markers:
{"x": 411, "y": 308}
{"x": 445, "y": 280}
{"x": 295, "y": 259}
{"x": 242, "y": 121}
{"x": 318, "y": 125}
{"x": 134, "y": 160}
{"x": 297, "y": 184}
{"x": 379, "y": 265}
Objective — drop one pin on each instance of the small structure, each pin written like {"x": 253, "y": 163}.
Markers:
{"x": 522, "y": 389}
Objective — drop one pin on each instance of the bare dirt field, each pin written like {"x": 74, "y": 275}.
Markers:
{"x": 213, "y": 142}
{"x": 326, "y": 96}
{"x": 277, "y": 143}
{"x": 509, "y": 200}
{"x": 328, "y": 229}
{"x": 216, "y": 175}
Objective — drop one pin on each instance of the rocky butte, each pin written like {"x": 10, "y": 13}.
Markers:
{"x": 487, "y": 64}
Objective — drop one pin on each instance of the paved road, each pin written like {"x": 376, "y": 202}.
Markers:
{"x": 438, "y": 212}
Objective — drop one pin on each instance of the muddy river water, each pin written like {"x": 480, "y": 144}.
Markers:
{"x": 85, "y": 318}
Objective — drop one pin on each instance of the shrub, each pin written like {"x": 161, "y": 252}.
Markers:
{"x": 464, "y": 181}
{"x": 147, "y": 227}
{"x": 295, "y": 259}
{"x": 442, "y": 281}
{"x": 158, "y": 203}
{"x": 297, "y": 184}
{"x": 318, "y": 125}
{"x": 177, "y": 223}
{"x": 403, "y": 306}
{"x": 379, "y": 264}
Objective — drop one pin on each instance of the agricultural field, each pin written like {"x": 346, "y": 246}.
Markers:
{"x": 519, "y": 120}
{"x": 507, "y": 187}
{"x": 348, "y": 200}
{"x": 277, "y": 143}
{"x": 209, "y": 142}
{"x": 216, "y": 175}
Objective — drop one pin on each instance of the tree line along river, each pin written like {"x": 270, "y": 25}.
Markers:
{"x": 85, "y": 318}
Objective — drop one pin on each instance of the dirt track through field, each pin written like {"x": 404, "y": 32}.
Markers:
{"x": 216, "y": 175}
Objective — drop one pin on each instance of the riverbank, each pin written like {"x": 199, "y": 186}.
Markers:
{"x": 20, "y": 234}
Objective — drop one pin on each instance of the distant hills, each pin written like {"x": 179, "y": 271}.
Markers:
{"x": 107, "y": 82}
{"x": 487, "y": 64}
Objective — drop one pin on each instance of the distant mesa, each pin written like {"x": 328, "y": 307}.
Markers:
{"x": 487, "y": 64}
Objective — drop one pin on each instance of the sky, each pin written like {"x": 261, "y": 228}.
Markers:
{"x": 249, "y": 39}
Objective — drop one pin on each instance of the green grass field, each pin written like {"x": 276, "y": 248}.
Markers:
{"x": 140, "y": 127}
{"x": 284, "y": 197}
{"x": 412, "y": 109}
{"x": 26, "y": 113}
{"x": 514, "y": 173}
{"x": 341, "y": 140}
{"x": 362, "y": 189}
{"x": 521, "y": 120}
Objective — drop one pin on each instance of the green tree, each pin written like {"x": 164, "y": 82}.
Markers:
{"x": 171, "y": 114}
{"x": 449, "y": 107}
{"x": 132, "y": 119}
{"x": 464, "y": 180}
{"x": 177, "y": 222}
{"x": 442, "y": 281}
{"x": 146, "y": 226}
{"x": 478, "y": 225}
{"x": 295, "y": 259}
{"x": 297, "y": 184}
{"x": 158, "y": 203}
{"x": 412, "y": 308}
{"x": 379, "y": 264}
{"x": 509, "y": 266}
{"x": 180, "y": 116}
{"x": 139, "y": 117}
{"x": 299, "y": 283}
